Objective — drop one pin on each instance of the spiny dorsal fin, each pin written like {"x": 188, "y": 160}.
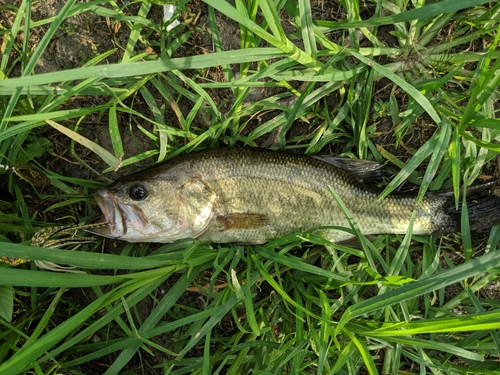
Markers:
{"x": 362, "y": 170}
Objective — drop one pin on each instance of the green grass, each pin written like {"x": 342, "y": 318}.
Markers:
{"x": 298, "y": 305}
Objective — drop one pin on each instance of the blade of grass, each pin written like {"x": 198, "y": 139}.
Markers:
{"x": 20, "y": 277}
{"x": 442, "y": 140}
{"x": 135, "y": 31}
{"x": 214, "y": 319}
{"x": 425, "y": 12}
{"x": 6, "y": 303}
{"x": 473, "y": 267}
{"x": 306, "y": 26}
{"x": 423, "y": 152}
{"x": 147, "y": 67}
{"x": 364, "y": 351}
{"x": 104, "y": 154}
{"x": 167, "y": 302}
{"x": 114, "y": 133}
{"x": 11, "y": 38}
{"x": 37, "y": 53}
{"x": 91, "y": 260}
{"x": 17, "y": 363}
{"x": 411, "y": 90}
{"x": 485, "y": 82}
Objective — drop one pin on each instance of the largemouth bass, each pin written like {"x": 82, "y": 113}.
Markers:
{"x": 252, "y": 195}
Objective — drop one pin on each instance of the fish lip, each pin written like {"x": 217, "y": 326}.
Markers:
{"x": 119, "y": 216}
{"x": 111, "y": 214}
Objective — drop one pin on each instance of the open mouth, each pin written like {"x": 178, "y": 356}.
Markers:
{"x": 111, "y": 215}
{"x": 123, "y": 220}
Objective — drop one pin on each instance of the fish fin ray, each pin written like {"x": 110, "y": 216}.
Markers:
{"x": 243, "y": 221}
{"x": 361, "y": 170}
{"x": 483, "y": 202}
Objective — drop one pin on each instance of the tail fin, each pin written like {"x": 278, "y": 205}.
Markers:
{"x": 483, "y": 205}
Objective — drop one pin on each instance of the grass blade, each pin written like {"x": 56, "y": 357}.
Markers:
{"x": 104, "y": 154}
{"x": 447, "y": 277}
{"x": 411, "y": 90}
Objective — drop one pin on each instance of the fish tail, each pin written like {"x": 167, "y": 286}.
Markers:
{"x": 483, "y": 207}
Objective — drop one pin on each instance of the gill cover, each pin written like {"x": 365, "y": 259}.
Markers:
{"x": 198, "y": 203}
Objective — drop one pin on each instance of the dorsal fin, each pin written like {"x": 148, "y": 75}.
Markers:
{"x": 361, "y": 170}
{"x": 482, "y": 205}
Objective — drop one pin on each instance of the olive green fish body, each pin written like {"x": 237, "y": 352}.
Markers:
{"x": 254, "y": 195}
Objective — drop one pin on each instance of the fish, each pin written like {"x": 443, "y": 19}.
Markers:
{"x": 253, "y": 195}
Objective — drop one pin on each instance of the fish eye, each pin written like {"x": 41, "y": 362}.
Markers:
{"x": 138, "y": 192}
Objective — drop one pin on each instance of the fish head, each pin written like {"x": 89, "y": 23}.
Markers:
{"x": 158, "y": 209}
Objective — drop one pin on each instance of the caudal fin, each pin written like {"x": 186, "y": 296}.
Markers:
{"x": 483, "y": 205}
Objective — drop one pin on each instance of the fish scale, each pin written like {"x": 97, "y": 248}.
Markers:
{"x": 252, "y": 195}
{"x": 292, "y": 191}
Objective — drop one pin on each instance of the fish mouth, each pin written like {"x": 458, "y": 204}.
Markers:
{"x": 111, "y": 214}
{"x": 120, "y": 218}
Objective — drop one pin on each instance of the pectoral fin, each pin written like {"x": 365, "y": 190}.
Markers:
{"x": 242, "y": 221}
